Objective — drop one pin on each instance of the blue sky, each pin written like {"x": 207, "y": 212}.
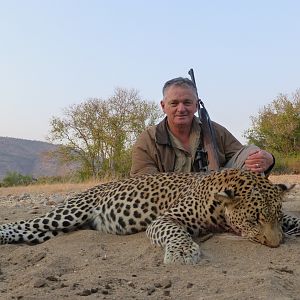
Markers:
{"x": 60, "y": 52}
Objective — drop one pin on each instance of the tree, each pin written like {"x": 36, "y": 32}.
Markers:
{"x": 277, "y": 126}
{"x": 99, "y": 134}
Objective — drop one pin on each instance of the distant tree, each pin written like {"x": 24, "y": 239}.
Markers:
{"x": 99, "y": 133}
{"x": 277, "y": 126}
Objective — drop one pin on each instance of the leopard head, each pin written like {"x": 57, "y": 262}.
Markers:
{"x": 254, "y": 209}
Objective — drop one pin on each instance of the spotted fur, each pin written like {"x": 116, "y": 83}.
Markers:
{"x": 172, "y": 208}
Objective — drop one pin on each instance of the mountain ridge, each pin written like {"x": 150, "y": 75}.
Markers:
{"x": 29, "y": 157}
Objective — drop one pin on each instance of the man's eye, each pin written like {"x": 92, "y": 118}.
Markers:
{"x": 188, "y": 102}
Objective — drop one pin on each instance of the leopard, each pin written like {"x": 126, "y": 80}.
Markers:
{"x": 173, "y": 208}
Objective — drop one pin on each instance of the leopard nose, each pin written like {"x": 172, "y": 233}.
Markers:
{"x": 274, "y": 239}
{"x": 273, "y": 243}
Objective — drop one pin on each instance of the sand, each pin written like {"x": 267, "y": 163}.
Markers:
{"x": 92, "y": 265}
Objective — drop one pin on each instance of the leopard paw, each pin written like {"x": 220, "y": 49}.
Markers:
{"x": 186, "y": 254}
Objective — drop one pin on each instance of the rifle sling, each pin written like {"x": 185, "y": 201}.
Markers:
{"x": 206, "y": 156}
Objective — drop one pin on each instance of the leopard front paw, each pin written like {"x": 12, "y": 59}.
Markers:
{"x": 186, "y": 254}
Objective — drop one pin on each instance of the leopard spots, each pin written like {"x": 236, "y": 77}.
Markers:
{"x": 172, "y": 208}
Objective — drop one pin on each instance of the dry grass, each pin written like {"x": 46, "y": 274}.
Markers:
{"x": 49, "y": 188}
{"x": 295, "y": 178}
{"x": 78, "y": 187}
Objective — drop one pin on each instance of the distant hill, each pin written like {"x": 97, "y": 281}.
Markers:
{"x": 28, "y": 158}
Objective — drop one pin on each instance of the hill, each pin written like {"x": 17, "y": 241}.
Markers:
{"x": 28, "y": 158}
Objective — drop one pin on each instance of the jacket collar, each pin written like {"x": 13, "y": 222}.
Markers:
{"x": 162, "y": 134}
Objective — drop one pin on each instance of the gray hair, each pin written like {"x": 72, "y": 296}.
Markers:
{"x": 179, "y": 81}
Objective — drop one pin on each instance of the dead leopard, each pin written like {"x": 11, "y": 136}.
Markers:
{"x": 172, "y": 208}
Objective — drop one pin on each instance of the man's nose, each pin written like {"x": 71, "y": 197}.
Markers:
{"x": 180, "y": 106}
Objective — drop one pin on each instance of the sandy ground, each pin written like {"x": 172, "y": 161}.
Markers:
{"x": 92, "y": 265}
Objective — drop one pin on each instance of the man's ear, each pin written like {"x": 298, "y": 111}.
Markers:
{"x": 227, "y": 197}
{"x": 162, "y": 104}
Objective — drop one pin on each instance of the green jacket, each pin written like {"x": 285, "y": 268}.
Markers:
{"x": 153, "y": 152}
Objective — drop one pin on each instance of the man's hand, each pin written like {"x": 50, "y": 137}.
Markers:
{"x": 259, "y": 161}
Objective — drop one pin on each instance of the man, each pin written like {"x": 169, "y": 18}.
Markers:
{"x": 171, "y": 145}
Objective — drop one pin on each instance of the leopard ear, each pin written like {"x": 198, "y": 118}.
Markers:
{"x": 283, "y": 188}
{"x": 227, "y": 197}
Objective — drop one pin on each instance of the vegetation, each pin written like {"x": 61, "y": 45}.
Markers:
{"x": 98, "y": 134}
{"x": 14, "y": 179}
{"x": 277, "y": 129}
{"x": 287, "y": 164}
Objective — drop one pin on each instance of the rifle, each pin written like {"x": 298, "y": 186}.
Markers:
{"x": 211, "y": 162}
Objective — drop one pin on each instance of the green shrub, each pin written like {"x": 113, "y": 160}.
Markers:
{"x": 287, "y": 164}
{"x": 15, "y": 178}
{"x": 50, "y": 179}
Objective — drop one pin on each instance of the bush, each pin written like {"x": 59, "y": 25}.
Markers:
{"x": 50, "y": 179}
{"x": 14, "y": 179}
{"x": 287, "y": 164}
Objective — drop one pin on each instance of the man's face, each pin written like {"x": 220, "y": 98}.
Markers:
{"x": 180, "y": 105}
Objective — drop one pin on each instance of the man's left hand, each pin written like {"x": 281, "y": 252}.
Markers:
{"x": 259, "y": 161}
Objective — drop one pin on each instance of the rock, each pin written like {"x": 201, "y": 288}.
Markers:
{"x": 39, "y": 283}
{"x": 166, "y": 283}
{"x": 85, "y": 293}
{"x": 56, "y": 199}
{"x": 24, "y": 196}
{"x": 131, "y": 284}
{"x": 52, "y": 278}
{"x": 38, "y": 257}
{"x": 150, "y": 290}
{"x": 157, "y": 284}
{"x": 88, "y": 292}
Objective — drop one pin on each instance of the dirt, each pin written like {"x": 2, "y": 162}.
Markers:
{"x": 92, "y": 265}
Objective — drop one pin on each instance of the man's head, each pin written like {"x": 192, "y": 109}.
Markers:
{"x": 179, "y": 81}
{"x": 179, "y": 102}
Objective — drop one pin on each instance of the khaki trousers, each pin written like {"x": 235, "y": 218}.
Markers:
{"x": 238, "y": 160}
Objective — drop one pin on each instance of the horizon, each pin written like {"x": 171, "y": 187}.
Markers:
{"x": 58, "y": 53}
